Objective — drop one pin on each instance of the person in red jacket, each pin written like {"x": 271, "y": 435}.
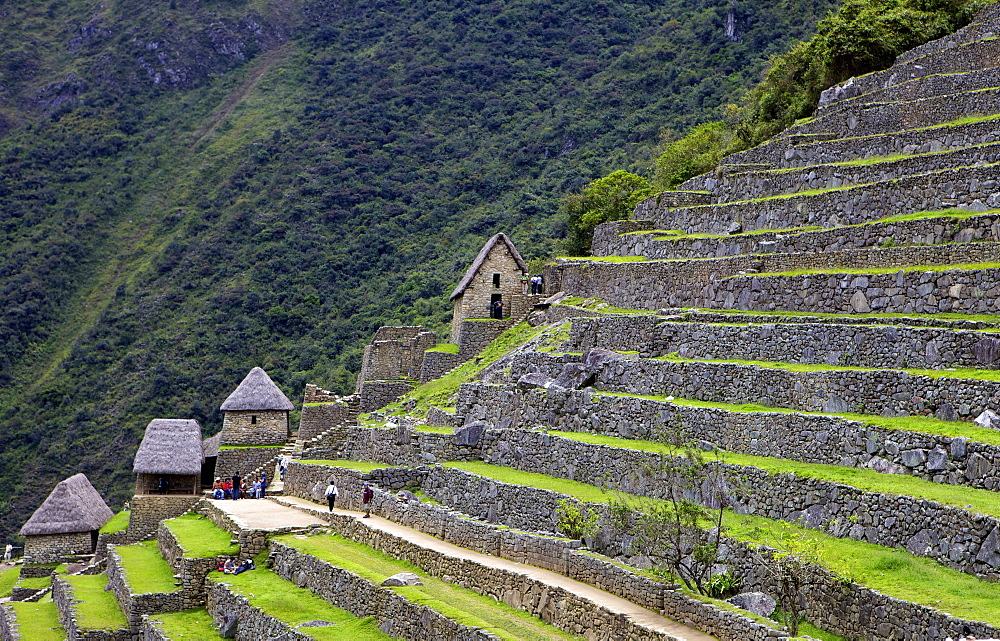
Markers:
{"x": 367, "y": 495}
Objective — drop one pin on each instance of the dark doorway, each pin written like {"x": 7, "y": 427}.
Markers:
{"x": 208, "y": 472}
{"x": 494, "y": 299}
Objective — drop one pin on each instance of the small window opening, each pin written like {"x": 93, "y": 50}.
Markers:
{"x": 253, "y": 419}
{"x": 496, "y": 280}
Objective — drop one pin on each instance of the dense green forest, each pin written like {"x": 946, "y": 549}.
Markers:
{"x": 192, "y": 188}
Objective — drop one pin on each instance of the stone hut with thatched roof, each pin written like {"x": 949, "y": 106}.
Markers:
{"x": 168, "y": 474}
{"x": 67, "y": 522}
{"x": 169, "y": 458}
{"x": 256, "y": 413}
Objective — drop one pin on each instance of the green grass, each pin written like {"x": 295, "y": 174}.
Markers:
{"x": 456, "y": 603}
{"x": 200, "y": 538}
{"x": 362, "y": 466}
{"x": 921, "y": 424}
{"x": 35, "y": 583}
{"x": 944, "y": 316}
{"x": 118, "y": 523}
{"x": 953, "y": 372}
{"x": 975, "y": 500}
{"x": 447, "y": 348}
{"x": 434, "y": 429}
{"x": 874, "y": 270}
{"x": 608, "y": 259}
{"x": 249, "y": 447}
{"x": 294, "y": 606}
{"x": 439, "y": 391}
{"x": 895, "y": 573}
{"x": 7, "y": 580}
{"x": 39, "y": 621}
{"x": 145, "y": 570}
{"x": 99, "y": 608}
{"x": 188, "y": 624}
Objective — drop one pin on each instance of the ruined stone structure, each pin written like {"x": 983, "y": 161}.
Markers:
{"x": 395, "y": 353}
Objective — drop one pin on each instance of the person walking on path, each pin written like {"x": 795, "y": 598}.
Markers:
{"x": 367, "y": 495}
{"x": 237, "y": 480}
{"x": 7, "y": 552}
{"x": 331, "y": 494}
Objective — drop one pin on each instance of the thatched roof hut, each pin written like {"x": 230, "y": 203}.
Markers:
{"x": 210, "y": 446}
{"x": 170, "y": 446}
{"x": 257, "y": 392}
{"x": 73, "y": 506}
{"x": 470, "y": 273}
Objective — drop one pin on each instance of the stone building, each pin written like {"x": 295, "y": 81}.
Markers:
{"x": 395, "y": 353}
{"x": 66, "y": 523}
{"x": 170, "y": 458}
{"x": 256, "y": 413}
{"x": 495, "y": 275}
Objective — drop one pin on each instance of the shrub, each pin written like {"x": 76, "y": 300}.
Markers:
{"x": 602, "y": 200}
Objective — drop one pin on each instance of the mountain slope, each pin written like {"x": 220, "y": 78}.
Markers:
{"x": 190, "y": 189}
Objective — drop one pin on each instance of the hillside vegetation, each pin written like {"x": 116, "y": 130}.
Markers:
{"x": 190, "y": 189}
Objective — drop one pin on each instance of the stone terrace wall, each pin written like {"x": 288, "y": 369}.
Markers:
{"x": 62, "y": 594}
{"x": 801, "y": 437}
{"x": 910, "y": 232}
{"x": 653, "y": 285}
{"x": 54, "y": 548}
{"x": 316, "y": 419}
{"x": 148, "y": 510}
{"x": 192, "y": 572}
{"x": 475, "y": 335}
{"x": 394, "y": 614}
{"x": 854, "y": 205}
{"x": 882, "y": 346}
{"x": 402, "y": 446}
{"x": 840, "y": 607}
{"x": 951, "y": 536}
{"x": 8, "y": 624}
{"x": 376, "y": 394}
{"x": 136, "y": 606}
{"x": 253, "y": 624}
{"x": 762, "y": 184}
{"x": 245, "y": 460}
{"x": 437, "y": 364}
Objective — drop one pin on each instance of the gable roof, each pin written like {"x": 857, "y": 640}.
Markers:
{"x": 483, "y": 253}
{"x": 73, "y": 506}
{"x": 210, "y": 445}
{"x": 257, "y": 392}
{"x": 170, "y": 446}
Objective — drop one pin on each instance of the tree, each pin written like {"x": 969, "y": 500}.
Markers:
{"x": 792, "y": 566}
{"x": 697, "y": 152}
{"x": 602, "y": 200}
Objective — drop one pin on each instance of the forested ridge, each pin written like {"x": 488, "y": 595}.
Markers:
{"x": 189, "y": 189}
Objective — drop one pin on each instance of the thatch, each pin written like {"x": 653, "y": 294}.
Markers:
{"x": 257, "y": 392}
{"x": 170, "y": 446}
{"x": 210, "y": 446}
{"x": 483, "y": 253}
{"x": 73, "y": 506}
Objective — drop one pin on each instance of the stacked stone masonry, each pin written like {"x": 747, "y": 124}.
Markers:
{"x": 376, "y": 394}
{"x": 55, "y": 548}
{"x": 477, "y": 334}
{"x": 437, "y": 364}
{"x": 317, "y": 419}
{"x": 613, "y": 239}
{"x": 191, "y": 572}
{"x": 877, "y": 346}
{"x": 148, "y": 510}
{"x": 395, "y": 353}
{"x": 255, "y": 427}
{"x": 136, "y": 606}
{"x": 64, "y": 597}
{"x": 245, "y": 460}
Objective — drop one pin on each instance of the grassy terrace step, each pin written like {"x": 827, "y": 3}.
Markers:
{"x": 39, "y": 621}
{"x": 944, "y": 319}
{"x": 118, "y": 523}
{"x": 200, "y": 538}
{"x": 875, "y": 270}
{"x": 98, "y": 609}
{"x": 7, "y": 580}
{"x": 145, "y": 570}
{"x": 195, "y": 623}
{"x": 895, "y": 573}
{"x": 457, "y": 603}
{"x": 294, "y": 606}
{"x": 977, "y": 501}
{"x": 361, "y": 466}
{"x": 920, "y": 424}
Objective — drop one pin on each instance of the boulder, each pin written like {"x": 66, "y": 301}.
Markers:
{"x": 883, "y": 466}
{"x": 987, "y": 350}
{"x": 573, "y": 376}
{"x": 408, "y": 496}
{"x": 988, "y": 419}
{"x": 756, "y": 602}
{"x": 469, "y": 435}
{"x": 403, "y": 578}
{"x": 536, "y": 380}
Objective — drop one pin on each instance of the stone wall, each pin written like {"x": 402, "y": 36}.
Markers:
{"x": 148, "y": 510}
{"x": 475, "y": 335}
{"x": 653, "y": 285}
{"x": 62, "y": 594}
{"x": 395, "y": 353}
{"x": 8, "y": 624}
{"x": 136, "y": 606}
{"x": 438, "y": 417}
{"x": 152, "y": 630}
{"x": 54, "y": 548}
{"x": 828, "y": 601}
{"x": 802, "y": 437}
{"x": 437, "y": 364}
{"x": 106, "y": 539}
{"x": 191, "y": 571}
{"x": 253, "y": 623}
{"x": 854, "y": 205}
{"x": 254, "y": 427}
{"x": 376, "y": 394}
{"x": 611, "y": 239}
{"x": 476, "y": 299}
{"x": 877, "y": 346}
{"x": 317, "y": 419}
{"x": 392, "y": 611}
{"x": 245, "y": 460}
{"x": 401, "y": 446}
{"x": 951, "y": 536}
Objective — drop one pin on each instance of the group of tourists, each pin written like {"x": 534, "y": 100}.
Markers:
{"x": 537, "y": 283}
{"x": 367, "y": 494}
{"x": 230, "y": 566}
{"x": 236, "y": 487}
